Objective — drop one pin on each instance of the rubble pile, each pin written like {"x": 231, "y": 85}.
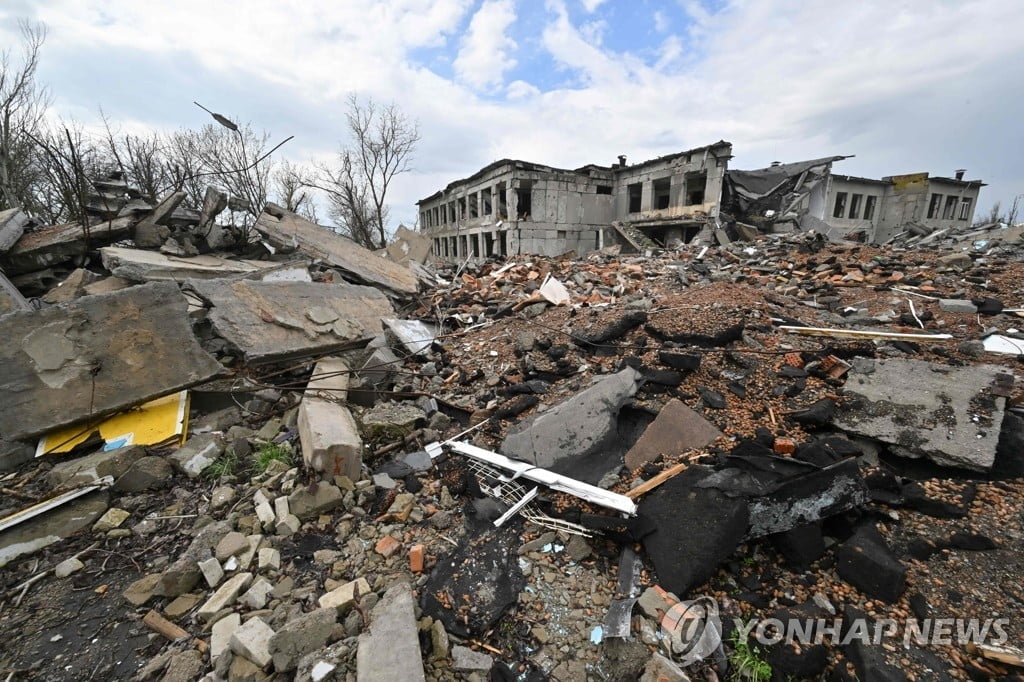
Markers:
{"x": 296, "y": 459}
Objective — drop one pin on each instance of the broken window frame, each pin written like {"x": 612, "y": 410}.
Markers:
{"x": 855, "y": 203}
{"x": 839, "y": 210}
{"x": 934, "y": 206}
{"x": 965, "y": 208}
{"x": 949, "y": 210}
{"x": 696, "y": 187}
{"x": 524, "y": 200}
{"x": 869, "y": 207}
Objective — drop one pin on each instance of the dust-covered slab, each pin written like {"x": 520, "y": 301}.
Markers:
{"x": 287, "y": 230}
{"x": 95, "y": 356}
{"x": 270, "y": 321}
{"x": 921, "y": 409}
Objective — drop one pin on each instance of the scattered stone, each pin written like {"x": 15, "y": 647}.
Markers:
{"x": 311, "y": 501}
{"x": 225, "y": 595}
{"x": 661, "y": 669}
{"x": 213, "y": 572}
{"x": 222, "y": 496}
{"x": 257, "y": 596}
{"x": 392, "y": 420}
{"x": 230, "y": 545}
{"x": 269, "y": 558}
{"x": 387, "y": 546}
{"x": 142, "y": 590}
{"x": 199, "y": 452}
{"x": 181, "y": 605}
{"x": 341, "y": 598}
{"x": 184, "y": 666}
{"x": 145, "y": 473}
{"x": 465, "y": 659}
{"x": 220, "y": 637}
{"x": 252, "y": 640}
{"x": 300, "y": 636}
{"x": 67, "y": 567}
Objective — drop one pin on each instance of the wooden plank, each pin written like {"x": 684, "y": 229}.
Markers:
{"x": 653, "y": 483}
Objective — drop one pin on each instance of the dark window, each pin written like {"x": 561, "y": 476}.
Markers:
{"x": 869, "y": 208}
{"x": 840, "y": 209}
{"x": 696, "y": 185}
{"x": 635, "y": 194}
{"x": 485, "y": 202}
{"x": 965, "y": 209}
{"x": 855, "y": 206}
{"x": 949, "y": 212}
{"x": 604, "y": 189}
{"x": 933, "y": 207}
{"x": 474, "y": 207}
{"x": 662, "y": 189}
{"x": 462, "y": 208}
{"x": 524, "y": 200}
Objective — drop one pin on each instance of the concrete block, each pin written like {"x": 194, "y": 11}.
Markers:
{"x": 252, "y": 641}
{"x": 341, "y": 598}
{"x": 225, "y": 595}
{"x": 330, "y": 439}
{"x": 269, "y": 558}
{"x": 257, "y": 596}
{"x": 213, "y": 572}
{"x": 220, "y": 636}
{"x": 329, "y": 380}
{"x": 300, "y": 636}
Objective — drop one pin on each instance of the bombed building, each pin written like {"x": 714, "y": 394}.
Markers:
{"x": 511, "y": 206}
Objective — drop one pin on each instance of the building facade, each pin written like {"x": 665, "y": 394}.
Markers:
{"x": 512, "y": 207}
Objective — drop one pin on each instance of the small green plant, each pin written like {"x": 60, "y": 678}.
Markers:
{"x": 745, "y": 662}
{"x": 271, "y": 452}
{"x": 226, "y": 465}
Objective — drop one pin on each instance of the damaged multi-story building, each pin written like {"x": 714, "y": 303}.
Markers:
{"x": 807, "y": 195}
{"x": 511, "y": 206}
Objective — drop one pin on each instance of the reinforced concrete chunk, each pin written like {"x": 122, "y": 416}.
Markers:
{"x": 391, "y": 648}
{"x": 329, "y": 380}
{"x": 341, "y": 598}
{"x": 12, "y": 226}
{"x": 920, "y": 409}
{"x": 224, "y": 596}
{"x": 330, "y": 438}
{"x": 95, "y": 356}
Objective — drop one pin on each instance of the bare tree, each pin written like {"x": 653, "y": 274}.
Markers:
{"x": 993, "y": 214}
{"x": 23, "y": 103}
{"x": 292, "y": 187}
{"x": 382, "y": 144}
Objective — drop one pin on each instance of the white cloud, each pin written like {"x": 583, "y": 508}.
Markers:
{"x": 905, "y": 86}
{"x": 591, "y": 5}
{"x": 661, "y": 21}
{"x": 485, "y": 52}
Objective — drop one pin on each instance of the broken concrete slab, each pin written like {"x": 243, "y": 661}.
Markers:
{"x": 72, "y": 287}
{"x": 575, "y": 437}
{"x": 330, "y": 438}
{"x": 408, "y": 246}
{"x": 60, "y": 243}
{"x": 137, "y": 265}
{"x": 309, "y": 501}
{"x": 287, "y": 230}
{"x": 676, "y": 430}
{"x": 57, "y": 524}
{"x": 95, "y": 356}
{"x": 415, "y": 336}
{"x": 11, "y": 298}
{"x": 391, "y": 647}
{"x": 91, "y": 468}
{"x": 267, "y": 321}
{"x": 13, "y": 222}
{"x": 947, "y": 414}
{"x": 341, "y": 598}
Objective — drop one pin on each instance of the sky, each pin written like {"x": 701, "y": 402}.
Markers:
{"x": 904, "y": 85}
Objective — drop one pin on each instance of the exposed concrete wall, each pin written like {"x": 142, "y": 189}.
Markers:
{"x": 856, "y": 204}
